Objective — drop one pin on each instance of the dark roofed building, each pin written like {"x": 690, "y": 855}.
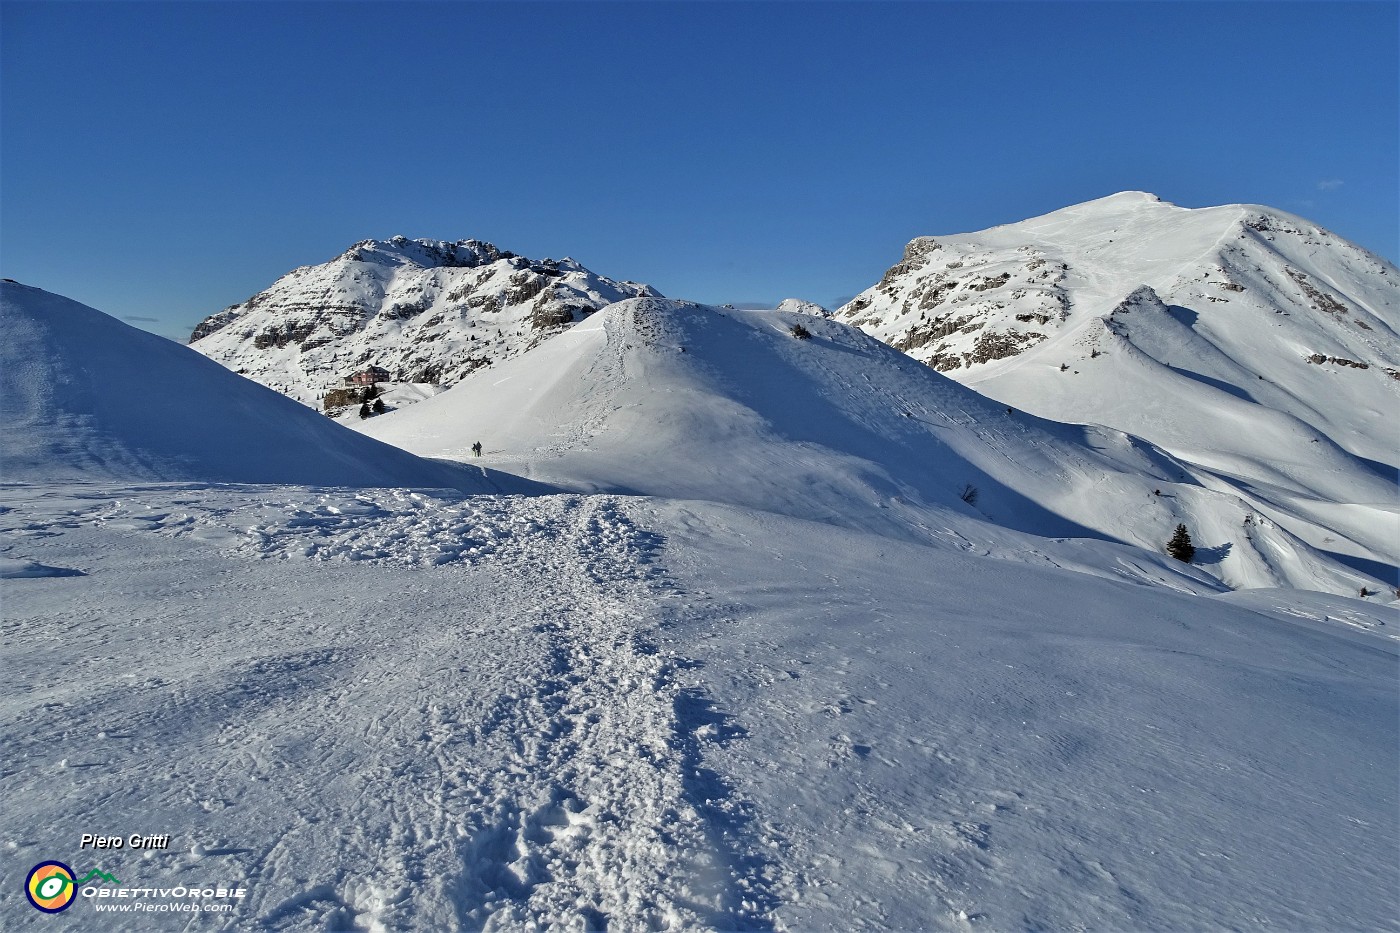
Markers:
{"x": 369, "y": 376}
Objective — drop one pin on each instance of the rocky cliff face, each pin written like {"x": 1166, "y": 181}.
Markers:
{"x": 428, "y": 311}
{"x": 953, "y": 305}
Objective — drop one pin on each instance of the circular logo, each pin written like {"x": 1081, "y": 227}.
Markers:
{"x": 50, "y": 887}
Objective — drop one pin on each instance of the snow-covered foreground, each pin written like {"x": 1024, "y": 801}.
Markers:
{"x": 383, "y": 709}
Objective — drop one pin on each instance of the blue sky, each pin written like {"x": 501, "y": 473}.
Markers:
{"x": 161, "y": 162}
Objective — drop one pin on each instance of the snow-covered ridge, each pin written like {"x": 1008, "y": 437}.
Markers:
{"x": 672, "y": 399}
{"x": 426, "y": 311}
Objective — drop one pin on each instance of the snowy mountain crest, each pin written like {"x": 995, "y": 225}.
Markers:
{"x": 1246, "y": 341}
{"x": 427, "y": 311}
{"x": 800, "y": 306}
{"x": 90, "y": 399}
{"x": 461, "y": 254}
{"x": 971, "y": 302}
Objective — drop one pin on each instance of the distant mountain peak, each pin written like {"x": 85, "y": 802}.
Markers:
{"x": 802, "y": 306}
{"x": 1129, "y": 197}
{"x": 1241, "y": 338}
{"x": 427, "y": 311}
{"x": 438, "y": 254}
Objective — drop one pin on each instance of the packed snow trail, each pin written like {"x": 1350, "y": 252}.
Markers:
{"x": 495, "y": 744}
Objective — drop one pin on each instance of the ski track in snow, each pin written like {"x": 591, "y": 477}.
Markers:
{"x": 561, "y": 787}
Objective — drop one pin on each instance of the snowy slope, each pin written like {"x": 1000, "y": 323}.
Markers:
{"x": 391, "y": 711}
{"x": 668, "y": 398}
{"x": 1246, "y": 341}
{"x": 428, "y": 311}
{"x": 85, "y": 397}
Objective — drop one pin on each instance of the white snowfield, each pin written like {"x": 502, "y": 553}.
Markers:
{"x": 397, "y": 710}
{"x": 744, "y": 658}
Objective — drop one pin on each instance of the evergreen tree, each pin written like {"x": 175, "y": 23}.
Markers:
{"x": 1180, "y": 545}
{"x": 365, "y": 410}
{"x": 378, "y": 406}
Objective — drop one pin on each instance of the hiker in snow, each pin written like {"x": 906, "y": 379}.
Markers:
{"x": 476, "y": 449}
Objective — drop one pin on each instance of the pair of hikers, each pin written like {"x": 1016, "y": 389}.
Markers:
{"x": 476, "y": 449}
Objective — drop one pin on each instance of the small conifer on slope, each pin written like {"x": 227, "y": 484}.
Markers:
{"x": 1180, "y": 545}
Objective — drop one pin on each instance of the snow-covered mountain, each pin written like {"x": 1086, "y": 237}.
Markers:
{"x": 426, "y": 311}
{"x": 666, "y": 398}
{"x": 1250, "y": 343}
{"x": 84, "y": 397}
{"x": 802, "y": 306}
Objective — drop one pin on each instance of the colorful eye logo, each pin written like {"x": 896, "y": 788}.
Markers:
{"x": 50, "y": 887}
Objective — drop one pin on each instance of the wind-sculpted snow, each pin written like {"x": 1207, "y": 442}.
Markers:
{"x": 13, "y": 569}
{"x": 396, "y": 710}
{"x": 395, "y": 527}
{"x": 972, "y": 745}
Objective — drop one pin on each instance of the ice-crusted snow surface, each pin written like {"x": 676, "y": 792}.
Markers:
{"x": 427, "y": 311}
{"x": 1247, "y": 342}
{"x": 398, "y": 709}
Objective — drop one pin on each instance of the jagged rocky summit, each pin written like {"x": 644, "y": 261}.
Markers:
{"x": 424, "y": 312}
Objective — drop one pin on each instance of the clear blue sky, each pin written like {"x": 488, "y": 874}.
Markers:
{"x": 161, "y": 162}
